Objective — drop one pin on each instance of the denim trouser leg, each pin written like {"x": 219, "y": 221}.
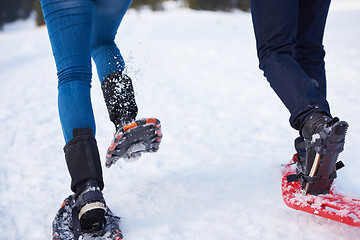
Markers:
{"x": 309, "y": 51}
{"x": 77, "y": 29}
{"x": 105, "y": 53}
{"x": 289, "y": 44}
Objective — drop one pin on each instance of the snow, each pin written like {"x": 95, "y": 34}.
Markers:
{"x": 217, "y": 174}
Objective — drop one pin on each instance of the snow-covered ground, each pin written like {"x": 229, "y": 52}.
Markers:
{"x": 217, "y": 174}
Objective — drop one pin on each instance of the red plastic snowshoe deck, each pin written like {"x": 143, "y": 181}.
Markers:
{"x": 334, "y": 206}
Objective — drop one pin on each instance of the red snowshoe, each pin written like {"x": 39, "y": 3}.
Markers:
{"x": 334, "y": 206}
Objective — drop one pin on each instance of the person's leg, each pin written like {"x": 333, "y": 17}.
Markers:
{"x": 69, "y": 24}
{"x": 309, "y": 53}
{"x": 116, "y": 85}
{"x": 275, "y": 24}
{"x": 309, "y": 50}
{"x": 107, "y": 18}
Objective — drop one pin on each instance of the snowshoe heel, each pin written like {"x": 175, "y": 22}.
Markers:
{"x": 64, "y": 229}
{"x": 88, "y": 212}
{"x": 92, "y": 215}
{"x": 322, "y": 154}
{"x": 133, "y": 139}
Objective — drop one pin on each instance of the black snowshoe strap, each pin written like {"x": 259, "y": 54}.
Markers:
{"x": 76, "y": 222}
{"x": 293, "y": 177}
{"x": 96, "y": 195}
{"x": 307, "y": 179}
{"x": 301, "y": 178}
{"x": 339, "y": 165}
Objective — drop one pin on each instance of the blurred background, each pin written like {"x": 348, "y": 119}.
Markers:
{"x": 12, "y": 10}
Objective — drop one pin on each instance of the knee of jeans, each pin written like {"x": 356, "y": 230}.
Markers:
{"x": 65, "y": 8}
{"x": 275, "y": 57}
{"x": 310, "y": 56}
{"x": 81, "y": 74}
{"x": 276, "y": 53}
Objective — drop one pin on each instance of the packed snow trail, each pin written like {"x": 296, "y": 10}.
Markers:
{"x": 217, "y": 174}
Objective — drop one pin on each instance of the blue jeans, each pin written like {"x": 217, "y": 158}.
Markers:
{"x": 289, "y": 36}
{"x": 80, "y": 30}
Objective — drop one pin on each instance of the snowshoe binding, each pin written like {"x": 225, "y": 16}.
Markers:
{"x": 88, "y": 212}
{"x": 316, "y": 169}
{"x": 64, "y": 225}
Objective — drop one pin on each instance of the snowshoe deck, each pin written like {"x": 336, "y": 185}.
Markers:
{"x": 133, "y": 139}
{"x": 334, "y": 206}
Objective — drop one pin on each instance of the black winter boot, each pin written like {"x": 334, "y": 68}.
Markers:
{"x": 324, "y": 140}
{"x": 119, "y": 98}
{"x": 83, "y": 161}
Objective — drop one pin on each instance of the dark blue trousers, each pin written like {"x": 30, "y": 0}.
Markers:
{"x": 289, "y": 36}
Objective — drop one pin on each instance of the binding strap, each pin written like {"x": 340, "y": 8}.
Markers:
{"x": 76, "y": 222}
{"x": 307, "y": 179}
